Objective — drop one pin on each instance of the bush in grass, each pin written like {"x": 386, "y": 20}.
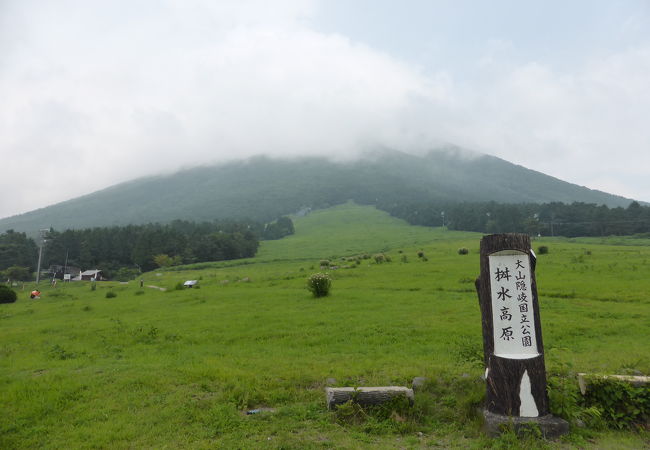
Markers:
{"x": 542, "y": 249}
{"x": 125, "y": 274}
{"x": 324, "y": 262}
{"x": 420, "y": 254}
{"x": 319, "y": 284}
{"x": 621, "y": 404}
{"x": 111, "y": 294}
{"x": 463, "y": 251}
{"x": 380, "y": 258}
{"x": 7, "y": 295}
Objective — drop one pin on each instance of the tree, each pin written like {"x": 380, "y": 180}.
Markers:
{"x": 163, "y": 260}
{"x": 17, "y": 273}
{"x": 278, "y": 229}
{"x": 16, "y": 249}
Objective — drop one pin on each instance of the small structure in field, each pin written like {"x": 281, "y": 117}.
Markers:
{"x": 91, "y": 275}
{"x": 190, "y": 283}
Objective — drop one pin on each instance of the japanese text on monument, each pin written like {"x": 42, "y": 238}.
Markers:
{"x": 512, "y": 305}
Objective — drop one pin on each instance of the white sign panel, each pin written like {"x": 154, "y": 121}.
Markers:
{"x": 512, "y": 305}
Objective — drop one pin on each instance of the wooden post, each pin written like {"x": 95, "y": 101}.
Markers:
{"x": 512, "y": 331}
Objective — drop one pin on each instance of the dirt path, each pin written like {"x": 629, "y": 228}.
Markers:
{"x": 157, "y": 287}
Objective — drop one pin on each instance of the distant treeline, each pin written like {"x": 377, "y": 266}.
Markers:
{"x": 123, "y": 251}
{"x": 547, "y": 219}
{"x": 16, "y": 249}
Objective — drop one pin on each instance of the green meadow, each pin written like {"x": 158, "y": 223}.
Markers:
{"x": 161, "y": 367}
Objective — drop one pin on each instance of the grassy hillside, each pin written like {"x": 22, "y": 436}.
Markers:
{"x": 264, "y": 189}
{"x": 179, "y": 368}
{"x": 347, "y": 230}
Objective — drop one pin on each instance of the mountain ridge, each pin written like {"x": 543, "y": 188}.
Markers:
{"x": 264, "y": 188}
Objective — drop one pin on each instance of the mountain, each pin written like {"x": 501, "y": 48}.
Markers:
{"x": 264, "y": 188}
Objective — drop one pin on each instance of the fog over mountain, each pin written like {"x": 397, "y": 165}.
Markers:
{"x": 96, "y": 93}
{"x": 262, "y": 189}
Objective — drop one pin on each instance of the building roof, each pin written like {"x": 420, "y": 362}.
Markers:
{"x": 91, "y": 272}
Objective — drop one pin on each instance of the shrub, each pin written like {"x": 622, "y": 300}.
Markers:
{"x": 622, "y": 405}
{"x": 319, "y": 284}
{"x": 463, "y": 251}
{"x": 420, "y": 254}
{"x": 111, "y": 294}
{"x": 324, "y": 262}
{"x": 566, "y": 401}
{"x": 7, "y": 295}
{"x": 125, "y": 274}
{"x": 380, "y": 258}
{"x": 542, "y": 250}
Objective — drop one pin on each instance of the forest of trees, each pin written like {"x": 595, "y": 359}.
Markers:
{"x": 546, "y": 219}
{"x": 18, "y": 255}
{"x": 122, "y": 252}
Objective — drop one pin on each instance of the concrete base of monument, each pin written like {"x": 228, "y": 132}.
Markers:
{"x": 549, "y": 425}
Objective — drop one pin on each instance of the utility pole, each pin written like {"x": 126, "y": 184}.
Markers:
{"x": 40, "y": 254}
{"x": 443, "y": 218}
{"x": 65, "y": 265}
{"x": 552, "y": 217}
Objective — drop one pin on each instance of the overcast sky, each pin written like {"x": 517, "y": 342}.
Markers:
{"x": 93, "y": 93}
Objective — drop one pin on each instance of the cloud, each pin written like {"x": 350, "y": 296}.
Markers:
{"x": 94, "y": 93}
{"x": 583, "y": 125}
{"x": 97, "y": 93}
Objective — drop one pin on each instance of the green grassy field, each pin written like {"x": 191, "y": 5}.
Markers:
{"x": 179, "y": 368}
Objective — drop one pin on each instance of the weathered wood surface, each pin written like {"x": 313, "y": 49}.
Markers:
{"x": 366, "y": 396}
{"x": 504, "y": 375}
